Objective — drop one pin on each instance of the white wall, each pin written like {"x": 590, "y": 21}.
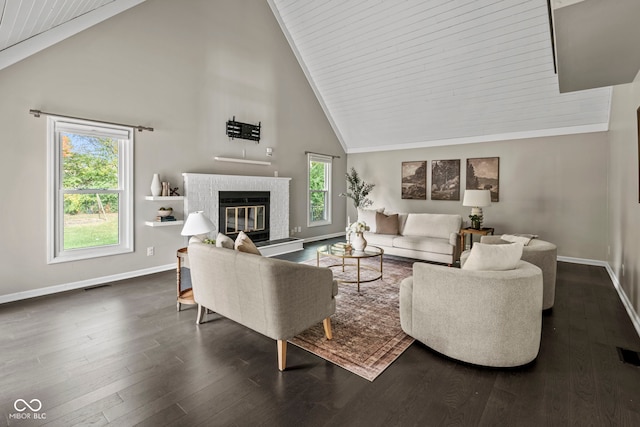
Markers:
{"x": 184, "y": 68}
{"x": 624, "y": 217}
{"x": 555, "y": 187}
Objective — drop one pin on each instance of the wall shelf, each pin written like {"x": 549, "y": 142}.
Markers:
{"x": 251, "y": 162}
{"x": 163, "y": 224}
{"x": 166, "y": 198}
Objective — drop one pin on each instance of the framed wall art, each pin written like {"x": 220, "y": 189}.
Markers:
{"x": 445, "y": 180}
{"x": 484, "y": 174}
{"x": 414, "y": 180}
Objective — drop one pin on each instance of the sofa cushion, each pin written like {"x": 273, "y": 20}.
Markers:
{"x": 224, "y": 241}
{"x": 376, "y": 239}
{"x": 431, "y": 225}
{"x": 488, "y": 257}
{"x": 368, "y": 216}
{"x": 424, "y": 244}
{"x": 386, "y": 224}
{"x": 245, "y": 244}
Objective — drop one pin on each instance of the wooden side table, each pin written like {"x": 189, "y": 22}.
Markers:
{"x": 183, "y": 279}
{"x": 471, "y": 231}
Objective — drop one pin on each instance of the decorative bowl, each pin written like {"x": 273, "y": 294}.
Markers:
{"x": 165, "y": 212}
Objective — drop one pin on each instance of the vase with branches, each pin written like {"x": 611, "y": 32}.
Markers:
{"x": 357, "y": 189}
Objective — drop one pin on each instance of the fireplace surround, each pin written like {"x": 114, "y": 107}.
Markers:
{"x": 247, "y": 211}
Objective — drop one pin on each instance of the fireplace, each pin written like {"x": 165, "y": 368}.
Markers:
{"x": 246, "y": 211}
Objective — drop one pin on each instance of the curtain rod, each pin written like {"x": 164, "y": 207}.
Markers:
{"x": 320, "y": 154}
{"x": 37, "y": 113}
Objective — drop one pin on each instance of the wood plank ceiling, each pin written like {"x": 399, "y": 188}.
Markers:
{"x": 400, "y": 74}
{"x": 23, "y": 19}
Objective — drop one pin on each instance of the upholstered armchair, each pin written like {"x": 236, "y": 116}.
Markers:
{"x": 544, "y": 255}
{"x": 489, "y": 318}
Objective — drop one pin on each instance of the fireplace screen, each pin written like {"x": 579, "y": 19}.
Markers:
{"x": 244, "y": 218}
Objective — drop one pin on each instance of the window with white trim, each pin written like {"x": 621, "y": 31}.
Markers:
{"x": 319, "y": 185}
{"x": 90, "y": 189}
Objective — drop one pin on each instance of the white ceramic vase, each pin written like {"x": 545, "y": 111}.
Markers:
{"x": 359, "y": 242}
{"x": 156, "y": 185}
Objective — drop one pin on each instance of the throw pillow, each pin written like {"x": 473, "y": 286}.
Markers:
{"x": 386, "y": 224}
{"x": 368, "y": 216}
{"x": 245, "y": 244}
{"x": 514, "y": 238}
{"x": 488, "y": 257}
{"x": 224, "y": 241}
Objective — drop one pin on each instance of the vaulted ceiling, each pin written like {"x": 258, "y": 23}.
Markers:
{"x": 391, "y": 74}
{"x": 413, "y": 73}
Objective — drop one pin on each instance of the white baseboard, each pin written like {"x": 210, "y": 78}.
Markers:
{"x": 325, "y": 236}
{"x": 584, "y": 261}
{"x": 633, "y": 315}
{"x": 83, "y": 284}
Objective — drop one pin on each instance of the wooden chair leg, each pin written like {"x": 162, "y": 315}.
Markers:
{"x": 327, "y": 328}
{"x": 201, "y": 312}
{"x": 282, "y": 354}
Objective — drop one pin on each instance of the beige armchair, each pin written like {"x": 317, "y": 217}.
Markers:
{"x": 544, "y": 255}
{"x": 489, "y": 318}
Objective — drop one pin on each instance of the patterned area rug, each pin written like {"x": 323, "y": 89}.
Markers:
{"x": 367, "y": 336}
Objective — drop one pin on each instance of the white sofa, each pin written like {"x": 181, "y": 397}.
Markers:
{"x": 425, "y": 236}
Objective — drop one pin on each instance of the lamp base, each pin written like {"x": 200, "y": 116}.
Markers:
{"x": 476, "y": 212}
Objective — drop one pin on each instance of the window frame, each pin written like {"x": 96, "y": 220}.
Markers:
{"x": 55, "y": 191}
{"x": 328, "y": 161}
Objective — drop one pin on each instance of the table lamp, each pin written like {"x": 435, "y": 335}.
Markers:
{"x": 477, "y": 199}
{"x": 198, "y": 226}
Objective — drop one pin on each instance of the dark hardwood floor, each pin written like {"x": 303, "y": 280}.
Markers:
{"x": 121, "y": 355}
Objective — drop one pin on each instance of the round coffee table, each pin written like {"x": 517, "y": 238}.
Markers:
{"x": 338, "y": 251}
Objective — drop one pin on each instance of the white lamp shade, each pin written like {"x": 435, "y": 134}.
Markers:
{"x": 477, "y": 198}
{"x": 197, "y": 223}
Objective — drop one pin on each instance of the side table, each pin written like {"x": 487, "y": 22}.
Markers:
{"x": 471, "y": 231}
{"x": 183, "y": 279}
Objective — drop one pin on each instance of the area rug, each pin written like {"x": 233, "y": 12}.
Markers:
{"x": 367, "y": 336}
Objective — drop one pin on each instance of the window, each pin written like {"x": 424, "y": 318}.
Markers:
{"x": 319, "y": 203}
{"x": 90, "y": 206}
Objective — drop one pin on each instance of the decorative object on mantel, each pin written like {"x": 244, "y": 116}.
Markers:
{"x": 357, "y": 190}
{"x": 243, "y": 130}
{"x": 165, "y": 188}
{"x": 174, "y": 192}
{"x": 156, "y": 185}
{"x": 477, "y": 199}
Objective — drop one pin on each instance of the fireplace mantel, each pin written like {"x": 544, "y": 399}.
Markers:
{"x": 201, "y": 194}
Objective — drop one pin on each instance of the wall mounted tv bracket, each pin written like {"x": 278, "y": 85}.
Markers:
{"x": 243, "y": 130}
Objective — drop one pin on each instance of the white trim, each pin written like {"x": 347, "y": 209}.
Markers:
{"x": 32, "y": 45}
{"x": 234, "y": 160}
{"x": 635, "y": 319}
{"x": 55, "y": 210}
{"x": 599, "y": 127}
{"x": 83, "y": 283}
{"x": 633, "y": 316}
{"x": 328, "y": 164}
{"x": 584, "y": 261}
{"x": 325, "y": 236}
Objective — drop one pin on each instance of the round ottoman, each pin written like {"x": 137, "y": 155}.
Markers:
{"x": 544, "y": 255}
